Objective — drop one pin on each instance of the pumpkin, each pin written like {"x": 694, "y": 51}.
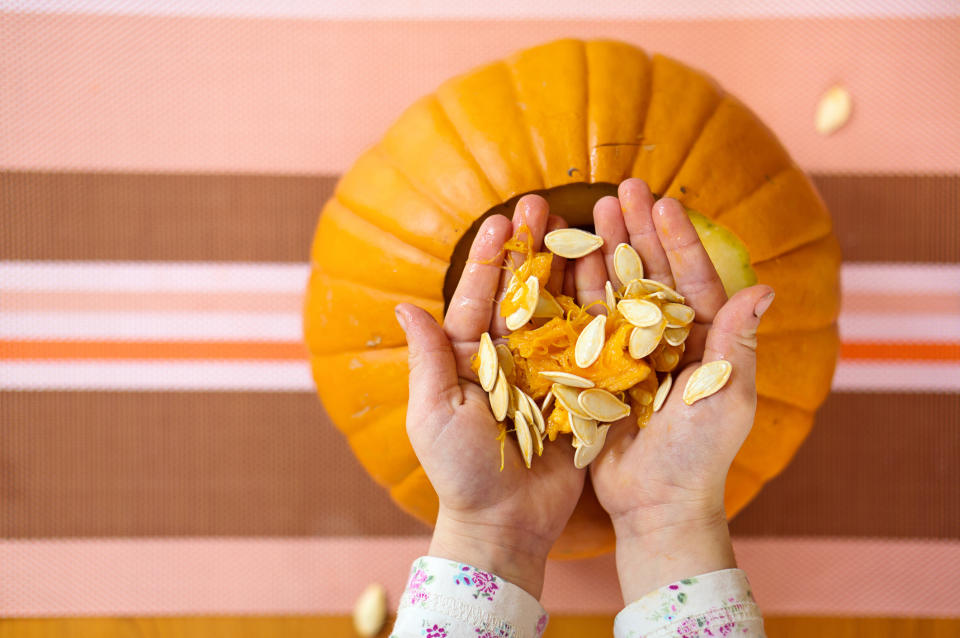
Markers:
{"x": 570, "y": 120}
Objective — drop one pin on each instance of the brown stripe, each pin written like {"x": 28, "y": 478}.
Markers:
{"x": 103, "y": 216}
{"x": 168, "y": 464}
{"x": 874, "y": 465}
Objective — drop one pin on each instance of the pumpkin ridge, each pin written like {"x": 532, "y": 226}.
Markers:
{"x": 541, "y": 168}
{"x": 364, "y": 284}
{"x": 693, "y": 144}
{"x": 386, "y": 231}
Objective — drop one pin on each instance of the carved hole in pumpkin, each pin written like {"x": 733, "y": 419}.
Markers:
{"x": 573, "y": 202}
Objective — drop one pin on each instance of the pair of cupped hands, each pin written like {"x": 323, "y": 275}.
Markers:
{"x": 661, "y": 485}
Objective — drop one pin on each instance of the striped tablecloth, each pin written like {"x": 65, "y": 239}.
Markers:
{"x": 162, "y": 165}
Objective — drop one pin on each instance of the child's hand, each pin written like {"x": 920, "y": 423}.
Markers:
{"x": 663, "y": 485}
{"x": 504, "y": 522}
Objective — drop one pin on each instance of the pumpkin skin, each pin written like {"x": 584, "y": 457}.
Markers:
{"x": 568, "y": 119}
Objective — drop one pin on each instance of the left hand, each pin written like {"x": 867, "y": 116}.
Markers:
{"x": 502, "y": 522}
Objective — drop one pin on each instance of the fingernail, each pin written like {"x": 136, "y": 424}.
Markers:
{"x": 762, "y": 305}
{"x": 401, "y": 317}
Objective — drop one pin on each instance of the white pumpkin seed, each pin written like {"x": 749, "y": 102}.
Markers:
{"x": 633, "y": 289}
{"x": 678, "y": 315}
{"x": 567, "y": 378}
{"x": 643, "y": 341}
{"x": 706, "y": 380}
{"x": 522, "y": 315}
{"x": 572, "y": 242}
{"x": 524, "y": 437}
{"x": 602, "y": 405}
{"x": 523, "y": 403}
{"x": 833, "y": 110}
{"x": 661, "y": 396}
{"x": 590, "y": 342}
{"x": 547, "y": 306}
{"x": 609, "y": 297}
{"x": 537, "y": 442}
{"x": 489, "y": 363}
{"x": 640, "y": 313}
{"x": 652, "y": 286}
{"x": 666, "y": 361}
{"x": 584, "y": 430}
{"x": 547, "y": 402}
{"x": 370, "y": 610}
{"x": 537, "y": 421}
{"x": 575, "y": 442}
{"x": 505, "y": 359}
{"x": 567, "y": 397}
{"x": 627, "y": 263}
{"x": 676, "y": 336}
{"x": 586, "y": 454}
{"x": 500, "y": 397}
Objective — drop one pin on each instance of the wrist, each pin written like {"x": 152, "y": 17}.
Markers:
{"x": 666, "y": 544}
{"x": 510, "y": 553}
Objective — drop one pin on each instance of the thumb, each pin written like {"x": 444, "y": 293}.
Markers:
{"x": 434, "y": 384}
{"x": 733, "y": 335}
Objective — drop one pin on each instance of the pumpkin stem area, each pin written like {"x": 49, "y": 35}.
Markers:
{"x": 574, "y": 202}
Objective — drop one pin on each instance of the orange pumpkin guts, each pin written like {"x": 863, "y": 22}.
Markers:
{"x": 569, "y": 120}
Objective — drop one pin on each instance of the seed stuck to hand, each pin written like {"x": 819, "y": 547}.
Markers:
{"x": 586, "y": 454}
{"x": 370, "y": 610}
{"x": 500, "y": 397}
{"x": 640, "y": 313}
{"x": 609, "y": 297}
{"x": 489, "y": 363}
{"x": 572, "y": 243}
{"x": 524, "y": 313}
{"x": 505, "y": 359}
{"x": 590, "y": 342}
{"x": 627, "y": 263}
{"x": 661, "y": 396}
{"x": 566, "y": 378}
{"x": 706, "y": 380}
{"x": 524, "y": 437}
{"x": 602, "y": 405}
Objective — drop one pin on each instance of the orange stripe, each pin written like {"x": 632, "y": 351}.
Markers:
{"x": 244, "y": 350}
{"x": 251, "y": 350}
{"x": 900, "y": 351}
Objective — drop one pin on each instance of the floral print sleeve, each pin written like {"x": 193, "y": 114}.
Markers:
{"x": 445, "y": 599}
{"x": 716, "y": 604}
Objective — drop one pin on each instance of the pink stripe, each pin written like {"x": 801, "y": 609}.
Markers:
{"x": 155, "y": 301}
{"x": 142, "y": 577}
{"x": 307, "y": 96}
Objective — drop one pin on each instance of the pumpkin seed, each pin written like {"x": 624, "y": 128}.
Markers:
{"x": 524, "y": 437}
{"x": 522, "y": 315}
{"x": 489, "y": 363}
{"x": 633, "y": 289}
{"x": 667, "y": 359}
{"x": 370, "y": 610}
{"x": 627, "y": 263}
{"x": 523, "y": 405}
{"x": 833, "y": 110}
{"x": 706, "y": 380}
{"x": 609, "y": 297}
{"x": 567, "y": 397}
{"x": 678, "y": 315}
{"x": 505, "y": 359}
{"x": 567, "y": 378}
{"x": 661, "y": 396}
{"x": 584, "y": 430}
{"x": 500, "y": 397}
{"x": 537, "y": 421}
{"x": 575, "y": 442}
{"x": 586, "y": 454}
{"x": 590, "y": 342}
{"x": 537, "y": 442}
{"x": 653, "y": 286}
{"x": 547, "y": 306}
{"x": 643, "y": 341}
{"x": 602, "y": 405}
{"x": 547, "y": 402}
{"x": 572, "y": 242}
{"x": 676, "y": 336}
{"x": 640, "y": 313}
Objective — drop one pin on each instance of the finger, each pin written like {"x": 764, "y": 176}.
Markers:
{"x": 693, "y": 272}
{"x": 609, "y": 224}
{"x": 531, "y": 211}
{"x": 636, "y": 201}
{"x": 434, "y": 384}
{"x": 733, "y": 336}
{"x": 590, "y": 276}
{"x": 471, "y": 306}
{"x": 570, "y": 282}
{"x": 557, "y": 264}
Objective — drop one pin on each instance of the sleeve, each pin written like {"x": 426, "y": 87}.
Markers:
{"x": 715, "y": 604}
{"x": 445, "y": 599}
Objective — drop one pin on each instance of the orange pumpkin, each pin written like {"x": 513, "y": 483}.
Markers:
{"x": 569, "y": 120}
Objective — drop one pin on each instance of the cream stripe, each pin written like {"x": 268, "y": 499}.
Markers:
{"x": 191, "y": 576}
{"x": 431, "y": 9}
{"x": 165, "y": 376}
{"x": 901, "y": 278}
{"x": 864, "y": 376}
{"x": 927, "y": 328}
